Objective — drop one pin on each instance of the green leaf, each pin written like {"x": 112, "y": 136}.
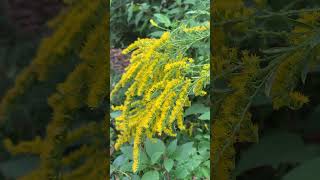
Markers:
{"x": 144, "y": 161}
{"x": 184, "y": 151}
{"x": 204, "y": 146}
{"x": 130, "y": 11}
{"x": 135, "y": 177}
{"x": 304, "y": 72}
{"x": 207, "y": 163}
{"x": 155, "y": 157}
{"x": 127, "y": 151}
{"x": 119, "y": 161}
{"x": 306, "y": 66}
{"x": 308, "y": 170}
{"x": 196, "y": 108}
{"x": 168, "y": 164}
{"x": 277, "y": 50}
{"x": 112, "y": 169}
{"x": 175, "y": 11}
{"x": 154, "y": 175}
{"x": 144, "y": 7}
{"x": 273, "y": 149}
{"x": 154, "y": 147}
{"x": 19, "y": 166}
{"x": 268, "y": 84}
{"x": 162, "y": 19}
{"x": 143, "y": 157}
{"x": 156, "y": 34}
{"x": 172, "y": 147}
{"x": 205, "y": 171}
{"x": 115, "y": 114}
{"x": 190, "y": 2}
{"x": 193, "y": 162}
{"x": 205, "y": 116}
{"x": 181, "y": 172}
{"x": 126, "y": 167}
{"x": 138, "y": 18}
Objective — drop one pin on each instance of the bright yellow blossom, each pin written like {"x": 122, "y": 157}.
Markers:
{"x": 197, "y": 28}
{"x": 157, "y": 92}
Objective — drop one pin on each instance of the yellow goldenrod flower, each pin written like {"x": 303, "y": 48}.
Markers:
{"x": 197, "y": 28}
{"x": 157, "y": 91}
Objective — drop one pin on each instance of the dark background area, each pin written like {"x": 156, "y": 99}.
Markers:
{"x": 22, "y": 27}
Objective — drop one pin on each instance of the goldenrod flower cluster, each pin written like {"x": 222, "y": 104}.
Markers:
{"x": 282, "y": 89}
{"x": 157, "y": 92}
{"x": 278, "y": 77}
{"x": 69, "y": 27}
{"x": 202, "y": 81}
{"x": 231, "y": 9}
{"x": 232, "y": 121}
{"x": 301, "y": 32}
{"x": 197, "y": 28}
{"x": 81, "y": 30}
{"x": 32, "y": 147}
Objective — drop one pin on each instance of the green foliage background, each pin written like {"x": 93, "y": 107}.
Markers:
{"x": 288, "y": 145}
{"x": 63, "y": 90}
{"x": 130, "y": 19}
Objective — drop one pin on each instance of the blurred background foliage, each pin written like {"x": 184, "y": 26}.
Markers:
{"x": 22, "y": 28}
{"x": 18, "y": 45}
{"x": 288, "y": 146}
{"x": 53, "y": 106}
